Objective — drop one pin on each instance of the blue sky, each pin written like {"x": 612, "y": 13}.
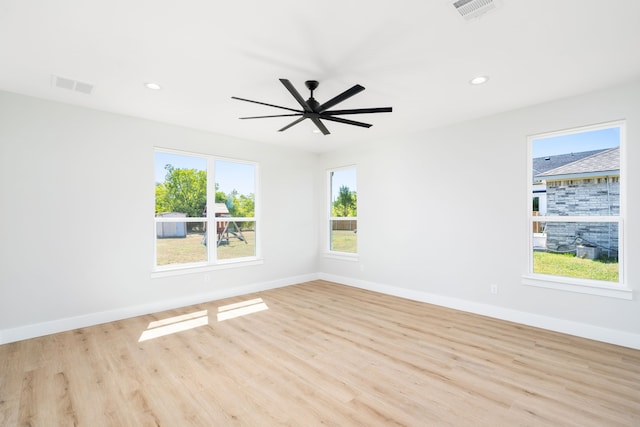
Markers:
{"x": 343, "y": 177}
{"x": 238, "y": 176}
{"x": 576, "y": 142}
{"x": 230, "y": 175}
{"x": 235, "y": 176}
{"x": 178, "y": 162}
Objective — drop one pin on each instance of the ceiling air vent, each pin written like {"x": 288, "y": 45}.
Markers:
{"x": 470, "y": 9}
{"x": 64, "y": 83}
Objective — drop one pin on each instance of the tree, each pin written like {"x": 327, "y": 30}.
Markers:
{"x": 242, "y": 206}
{"x": 220, "y": 196}
{"x": 345, "y": 204}
{"x": 183, "y": 190}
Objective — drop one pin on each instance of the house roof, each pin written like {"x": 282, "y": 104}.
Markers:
{"x": 547, "y": 163}
{"x": 221, "y": 208}
{"x": 606, "y": 162}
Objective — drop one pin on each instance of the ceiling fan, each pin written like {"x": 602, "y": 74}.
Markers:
{"x": 316, "y": 112}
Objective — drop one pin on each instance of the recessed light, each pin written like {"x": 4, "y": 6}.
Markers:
{"x": 479, "y": 80}
{"x": 152, "y": 86}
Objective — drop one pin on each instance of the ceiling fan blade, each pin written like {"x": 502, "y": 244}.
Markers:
{"x": 264, "y": 103}
{"x": 320, "y": 125}
{"x": 296, "y": 95}
{"x": 358, "y": 111}
{"x": 275, "y": 115}
{"x": 345, "y": 121}
{"x": 338, "y": 99}
{"x": 295, "y": 122}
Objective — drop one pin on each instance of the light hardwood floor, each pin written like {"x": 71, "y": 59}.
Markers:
{"x": 317, "y": 354}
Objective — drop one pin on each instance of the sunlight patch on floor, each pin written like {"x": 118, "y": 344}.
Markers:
{"x": 243, "y": 308}
{"x": 175, "y": 324}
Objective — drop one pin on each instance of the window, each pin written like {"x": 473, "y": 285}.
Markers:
{"x": 575, "y": 214}
{"x": 343, "y": 211}
{"x": 201, "y": 221}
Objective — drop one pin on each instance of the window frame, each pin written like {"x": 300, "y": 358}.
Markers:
{"x": 588, "y": 286}
{"x": 211, "y": 221}
{"x": 329, "y": 252}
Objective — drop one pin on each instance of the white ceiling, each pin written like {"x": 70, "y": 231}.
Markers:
{"x": 416, "y": 56}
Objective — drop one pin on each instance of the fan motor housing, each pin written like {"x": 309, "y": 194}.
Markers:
{"x": 311, "y": 84}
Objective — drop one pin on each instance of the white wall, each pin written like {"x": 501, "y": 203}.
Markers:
{"x": 425, "y": 231}
{"x": 76, "y": 217}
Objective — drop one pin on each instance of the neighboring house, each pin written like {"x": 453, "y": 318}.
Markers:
{"x": 589, "y": 186}
{"x": 545, "y": 164}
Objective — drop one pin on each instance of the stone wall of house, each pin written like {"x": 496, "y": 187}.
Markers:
{"x": 583, "y": 197}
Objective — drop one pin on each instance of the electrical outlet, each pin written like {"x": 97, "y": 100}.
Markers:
{"x": 494, "y": 289}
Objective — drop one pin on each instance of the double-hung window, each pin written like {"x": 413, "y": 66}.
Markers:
{"x": 205, "y": 210}
{"x": 343, "y": 211}
{"x": 576, "y": 188}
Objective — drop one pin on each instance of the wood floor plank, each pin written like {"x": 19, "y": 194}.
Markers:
{"x": 316, "y": 354}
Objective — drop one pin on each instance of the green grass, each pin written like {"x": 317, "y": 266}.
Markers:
{"x": 570, "y": 266}
{"x": 344, "y": 241}
{"x": 181, "y": 250}
{"x": 236, "y": 248}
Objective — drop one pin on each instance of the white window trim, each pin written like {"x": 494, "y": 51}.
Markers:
{"x": 582, "y": 286}
{"x": 213, "y": 263}
{"x": 342, "y": 256}
{"x": 585, "y": 286}
{"x": 192, "y": 268}
{"x": 328, "y": 253}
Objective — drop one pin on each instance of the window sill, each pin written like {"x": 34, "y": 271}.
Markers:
{"x": 190, "y": 269}
{"x": 343, "y": 256}
{"x": 583, "y": 286}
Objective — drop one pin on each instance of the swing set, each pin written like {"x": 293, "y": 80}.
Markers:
{"x": 225, "y": 230}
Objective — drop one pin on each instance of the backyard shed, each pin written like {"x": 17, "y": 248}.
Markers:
{"x": 171, "y": 229}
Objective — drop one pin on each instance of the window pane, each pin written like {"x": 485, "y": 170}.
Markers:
{"x": 235, "y": 187}
{"x": 236, "y": 239}
{"x": 344, "y": 236}
{"x": 577, "y": 174}
{"x": 343, "y": 209}
{"x": 180, "y": 243}
{"x": 235, "y": 198}
{"x": 181, "y": 192}
{"x": 587, "y": 250}
{"x": 181, "y": 184}
{"x": 344, "y": 193}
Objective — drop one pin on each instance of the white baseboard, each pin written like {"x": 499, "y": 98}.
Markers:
{"x": 91, "y": 319}
{"x": 611, "y": 336}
